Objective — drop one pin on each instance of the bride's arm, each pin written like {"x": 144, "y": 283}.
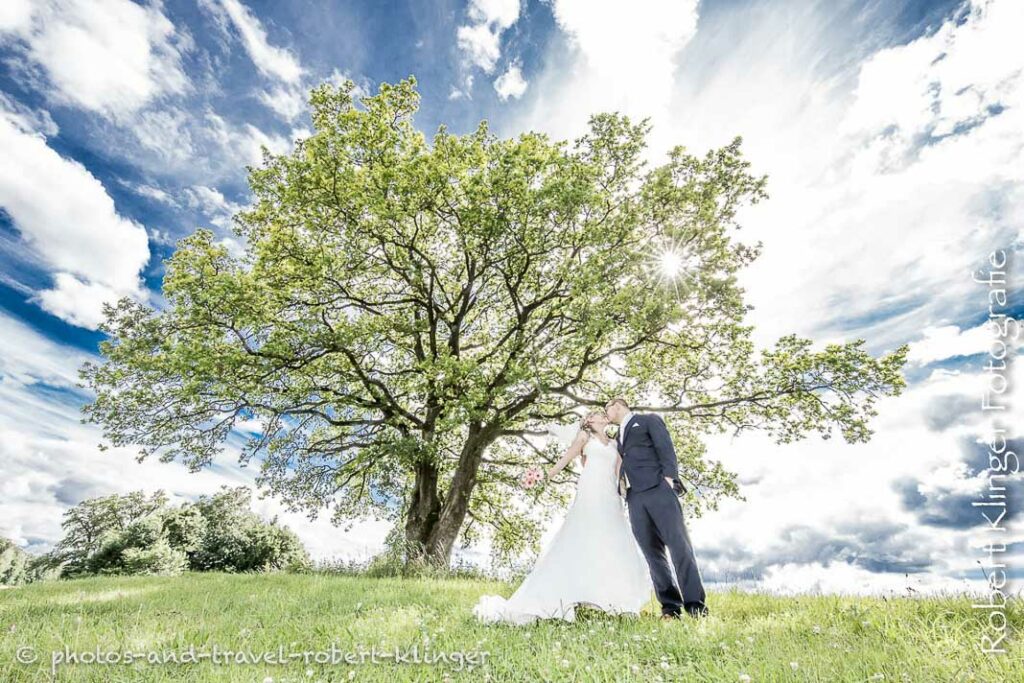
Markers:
{"x": 575, "y": 449}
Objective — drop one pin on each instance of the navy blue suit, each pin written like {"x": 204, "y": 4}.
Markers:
{"x": 656, "y": 514}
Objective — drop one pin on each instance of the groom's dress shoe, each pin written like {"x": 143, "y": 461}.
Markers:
{"x": 668, "y": 616}
{"x": 697, "y": 610}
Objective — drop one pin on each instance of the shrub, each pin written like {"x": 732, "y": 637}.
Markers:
{"x": 134, "y": 534}
{"x": 14, "y": 564}
{"x": 160, "y": 558}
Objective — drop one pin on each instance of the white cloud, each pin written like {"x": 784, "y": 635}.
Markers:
{"x": 274, "y": 62}
{"x": 511, "y": 83}
{"x": 29, "y": 357}
{"x": 15, "y": 15}
{"x": 288, "y": 103}
{"x": 465, "y": 92}
{"x": 892, "y": 173}
{"x": 209, "y": 199}
{"x": 212, "y": 203}
{"x": 287, "y": 94}
{"x": 201, "y": 147}
{"x": 481, "y": 38}
{"x": 840, "y": 578}
{"x": 244, "y": 140}
{"x": 949, "y": 341}
{"x": 623, "y": 42}
{"x": 27, "y": 119}
{"x": 829, "y": 503}
{"x": 108, "y": 56}
{"x": 873, "y": 227}
{"x": 621, "y": 59}
{"x": 170, "y": 133}
{"x": 939, "y": 82}
{"x": 95, "y": 253}
{"x": 76, "y": 301}
{"x": 154, "y": 193}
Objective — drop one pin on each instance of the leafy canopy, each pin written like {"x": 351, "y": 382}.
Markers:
{"x": 407, "y": 311}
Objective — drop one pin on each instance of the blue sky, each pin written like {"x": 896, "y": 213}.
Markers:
{"x": 891, "y": 133}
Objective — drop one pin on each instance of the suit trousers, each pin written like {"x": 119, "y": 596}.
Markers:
{"x": 656, "y": 516}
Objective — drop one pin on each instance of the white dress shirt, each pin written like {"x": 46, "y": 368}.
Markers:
{"x": 623, "y": 426}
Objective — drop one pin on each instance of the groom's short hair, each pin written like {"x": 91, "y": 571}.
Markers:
{"x": 619, "y": 401}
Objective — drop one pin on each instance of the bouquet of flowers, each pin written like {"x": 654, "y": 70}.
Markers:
{"x": 531, "y": 477}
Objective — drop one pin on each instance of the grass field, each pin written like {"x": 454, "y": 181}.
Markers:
{"x": 765, "y": 638}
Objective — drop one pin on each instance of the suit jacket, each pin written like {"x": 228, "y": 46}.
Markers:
{"x": 647, "y": 454}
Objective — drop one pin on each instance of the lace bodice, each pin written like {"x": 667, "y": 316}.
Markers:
{"x": 599, "y": 451}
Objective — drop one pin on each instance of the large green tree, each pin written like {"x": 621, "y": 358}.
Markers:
{"x": 407, "y": 311}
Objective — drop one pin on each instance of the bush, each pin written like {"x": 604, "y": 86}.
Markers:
{"x": 14, "y": 564}
{"x": 185, "y": 528}
{"x": 238, "y": 540}
{"x": 134, "y": 534}
{"x": 140, "y": 536}
{"x": 160, "y": 558}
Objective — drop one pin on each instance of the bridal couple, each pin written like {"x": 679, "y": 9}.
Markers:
{"x": 595, "y": 559}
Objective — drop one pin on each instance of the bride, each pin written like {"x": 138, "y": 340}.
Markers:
{"x": 593, "y": 559}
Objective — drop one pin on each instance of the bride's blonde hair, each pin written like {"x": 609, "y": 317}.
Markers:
{"x": 585, "y": 421}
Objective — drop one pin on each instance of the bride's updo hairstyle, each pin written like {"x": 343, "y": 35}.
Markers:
{"x": 584, "y": 426}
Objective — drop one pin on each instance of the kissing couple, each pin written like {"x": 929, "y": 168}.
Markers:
{"x": 600, "y": 557}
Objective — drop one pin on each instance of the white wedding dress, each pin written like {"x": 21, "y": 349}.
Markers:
{"x": 593, "y": 559}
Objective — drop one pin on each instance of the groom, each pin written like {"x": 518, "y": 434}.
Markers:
{"x": 651, "y": 481}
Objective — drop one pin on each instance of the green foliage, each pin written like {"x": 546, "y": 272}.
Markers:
{"x": 235, "y": 539}
{"x": 216, "y": 532}
{"x": 95, "y": 523}
{"x": 186, "y": 527}
{"x": 407, "y": 311}
{"x": 140, "y": 535}
{"x": 159, "y": 558}
{"x": 14, "y": 564}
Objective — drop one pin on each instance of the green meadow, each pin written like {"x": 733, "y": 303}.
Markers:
{"x": 296, "y": 619}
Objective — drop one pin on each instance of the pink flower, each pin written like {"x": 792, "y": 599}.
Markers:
{"x": 531, "y": 477}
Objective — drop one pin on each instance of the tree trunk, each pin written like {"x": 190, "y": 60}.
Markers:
{"x": 432, "y": 527}
{"x": 424, "y": 509}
